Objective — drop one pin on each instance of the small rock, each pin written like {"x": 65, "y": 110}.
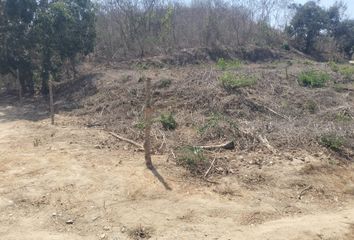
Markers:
{"x": 70, "y": 221}
{"x": 54, "y": 214}
{"x": 123, "y": 229}
{"x": 106, "y": 228}
{"x": 103, "y": 236}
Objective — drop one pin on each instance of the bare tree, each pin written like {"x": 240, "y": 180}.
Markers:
{"x": 139, "y": 28}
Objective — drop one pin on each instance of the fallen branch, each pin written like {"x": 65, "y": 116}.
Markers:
{"x": 228, "y": 146}
{"x": 266, "y": 143}
{"x": 211, "y": 166}
{"x": 163, "y": 140}
{"x": 173, "y": 154}
{"x": 140, "y": 146}
{"x": 302, "y": 193}
{"x": 278, "y": 114}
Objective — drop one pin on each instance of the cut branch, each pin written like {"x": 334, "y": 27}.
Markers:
{"x": 140, "y": 146}
{"x": 278, "y": 114}
{"x": 265, "y": 142}
{"x": 211, "y": 166}
{"x": 229, "y": 146}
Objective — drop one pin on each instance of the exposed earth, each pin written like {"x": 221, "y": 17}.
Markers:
{"x": 57, "y": 182}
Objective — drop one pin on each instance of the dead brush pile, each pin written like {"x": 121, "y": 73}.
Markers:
{"x": 258, "y": 106}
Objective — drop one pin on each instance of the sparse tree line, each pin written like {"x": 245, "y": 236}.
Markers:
{"x": 135, "y": 28}
{"x": 44, "y": 39}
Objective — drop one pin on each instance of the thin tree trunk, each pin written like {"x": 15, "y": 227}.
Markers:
{"x": 19, "y": 86}
{"x": 148, "y": 113}
{"x": 51, "y": 101}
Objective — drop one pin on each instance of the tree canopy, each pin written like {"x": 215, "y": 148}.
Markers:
{"x": 42, "y": 35}
{"x": 311, "y": 21}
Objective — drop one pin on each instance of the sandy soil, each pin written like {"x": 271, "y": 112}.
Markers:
{"x": 57, "y": 182}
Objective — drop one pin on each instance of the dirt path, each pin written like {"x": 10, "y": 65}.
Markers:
{"x": 51, "y": 176}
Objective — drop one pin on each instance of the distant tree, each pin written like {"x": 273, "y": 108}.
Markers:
{"x": 344, "y": 35}
{"x": 308, "y": 22}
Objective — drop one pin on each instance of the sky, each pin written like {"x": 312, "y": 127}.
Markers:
{"x": 327, "y": 3}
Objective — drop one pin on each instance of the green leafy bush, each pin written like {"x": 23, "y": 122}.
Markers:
{"x": 221, "y": 63}
{"x": 168, "y": 122}
{"x": 140, "y": 125}
{"x": 347, "y": 71}
{"x": 164, "y": 83}
{"x": 286, "y": 46}
{"x": 314, "y": 79}
{"x": 232, "y": 81}
{"x": 332, "y": 141}
{"x": 211, "y": 122}
{"x": 334, "y": 66}
{"x": 228, "y": 64}
{"x": 344, "y": 116}
{"x": 192, "y": 158}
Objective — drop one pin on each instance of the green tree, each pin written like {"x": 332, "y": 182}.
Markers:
{"x": 65, "y": 29}
{"x": 306, "y": 25}
{"x": 16, "y": 36}
{"x": 344, "y": 35}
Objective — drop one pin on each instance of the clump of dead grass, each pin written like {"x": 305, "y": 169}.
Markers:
{"x": 140, "y": 232}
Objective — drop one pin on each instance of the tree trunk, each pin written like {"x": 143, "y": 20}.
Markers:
{"x": 51, "y": 101}
{"x": 148, "y": 113}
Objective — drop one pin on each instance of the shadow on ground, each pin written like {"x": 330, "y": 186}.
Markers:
{"x": 67, "y": 96}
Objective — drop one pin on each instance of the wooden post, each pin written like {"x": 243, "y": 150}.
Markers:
{"x": 19, "y": 86}
{"x": 148, "y": 113}
{"x": 51, "y": 101}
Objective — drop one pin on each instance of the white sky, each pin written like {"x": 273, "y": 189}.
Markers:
{"x": 327, "y": 3}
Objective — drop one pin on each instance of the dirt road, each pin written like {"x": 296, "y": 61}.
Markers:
{"x": 57, "y": 182}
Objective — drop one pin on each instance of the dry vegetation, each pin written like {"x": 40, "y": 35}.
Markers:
{"x": 266, "y": 108}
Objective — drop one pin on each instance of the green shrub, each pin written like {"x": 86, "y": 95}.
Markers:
{"x": 311, "y": 106}
{"x": 168, "y": 122}
{"x": 164, "y": 83}
{"x": 228, "y": 64}
{"x": 332, "y": 141}
{"x": 334, "y": 66}
{"x": 140, "y": 125}
{"x": 211, "y": 122}
{"x": 221, "y": 63}
{"x": 192, "y": 158}
{"x": 314, "y": 79}
{"x": 347, "y": 71}
{"x": 231, "y": 81}
{"x": 286, "y": 46}
{"x": 344, "y": 116}
{"x": 308, "y": 63}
